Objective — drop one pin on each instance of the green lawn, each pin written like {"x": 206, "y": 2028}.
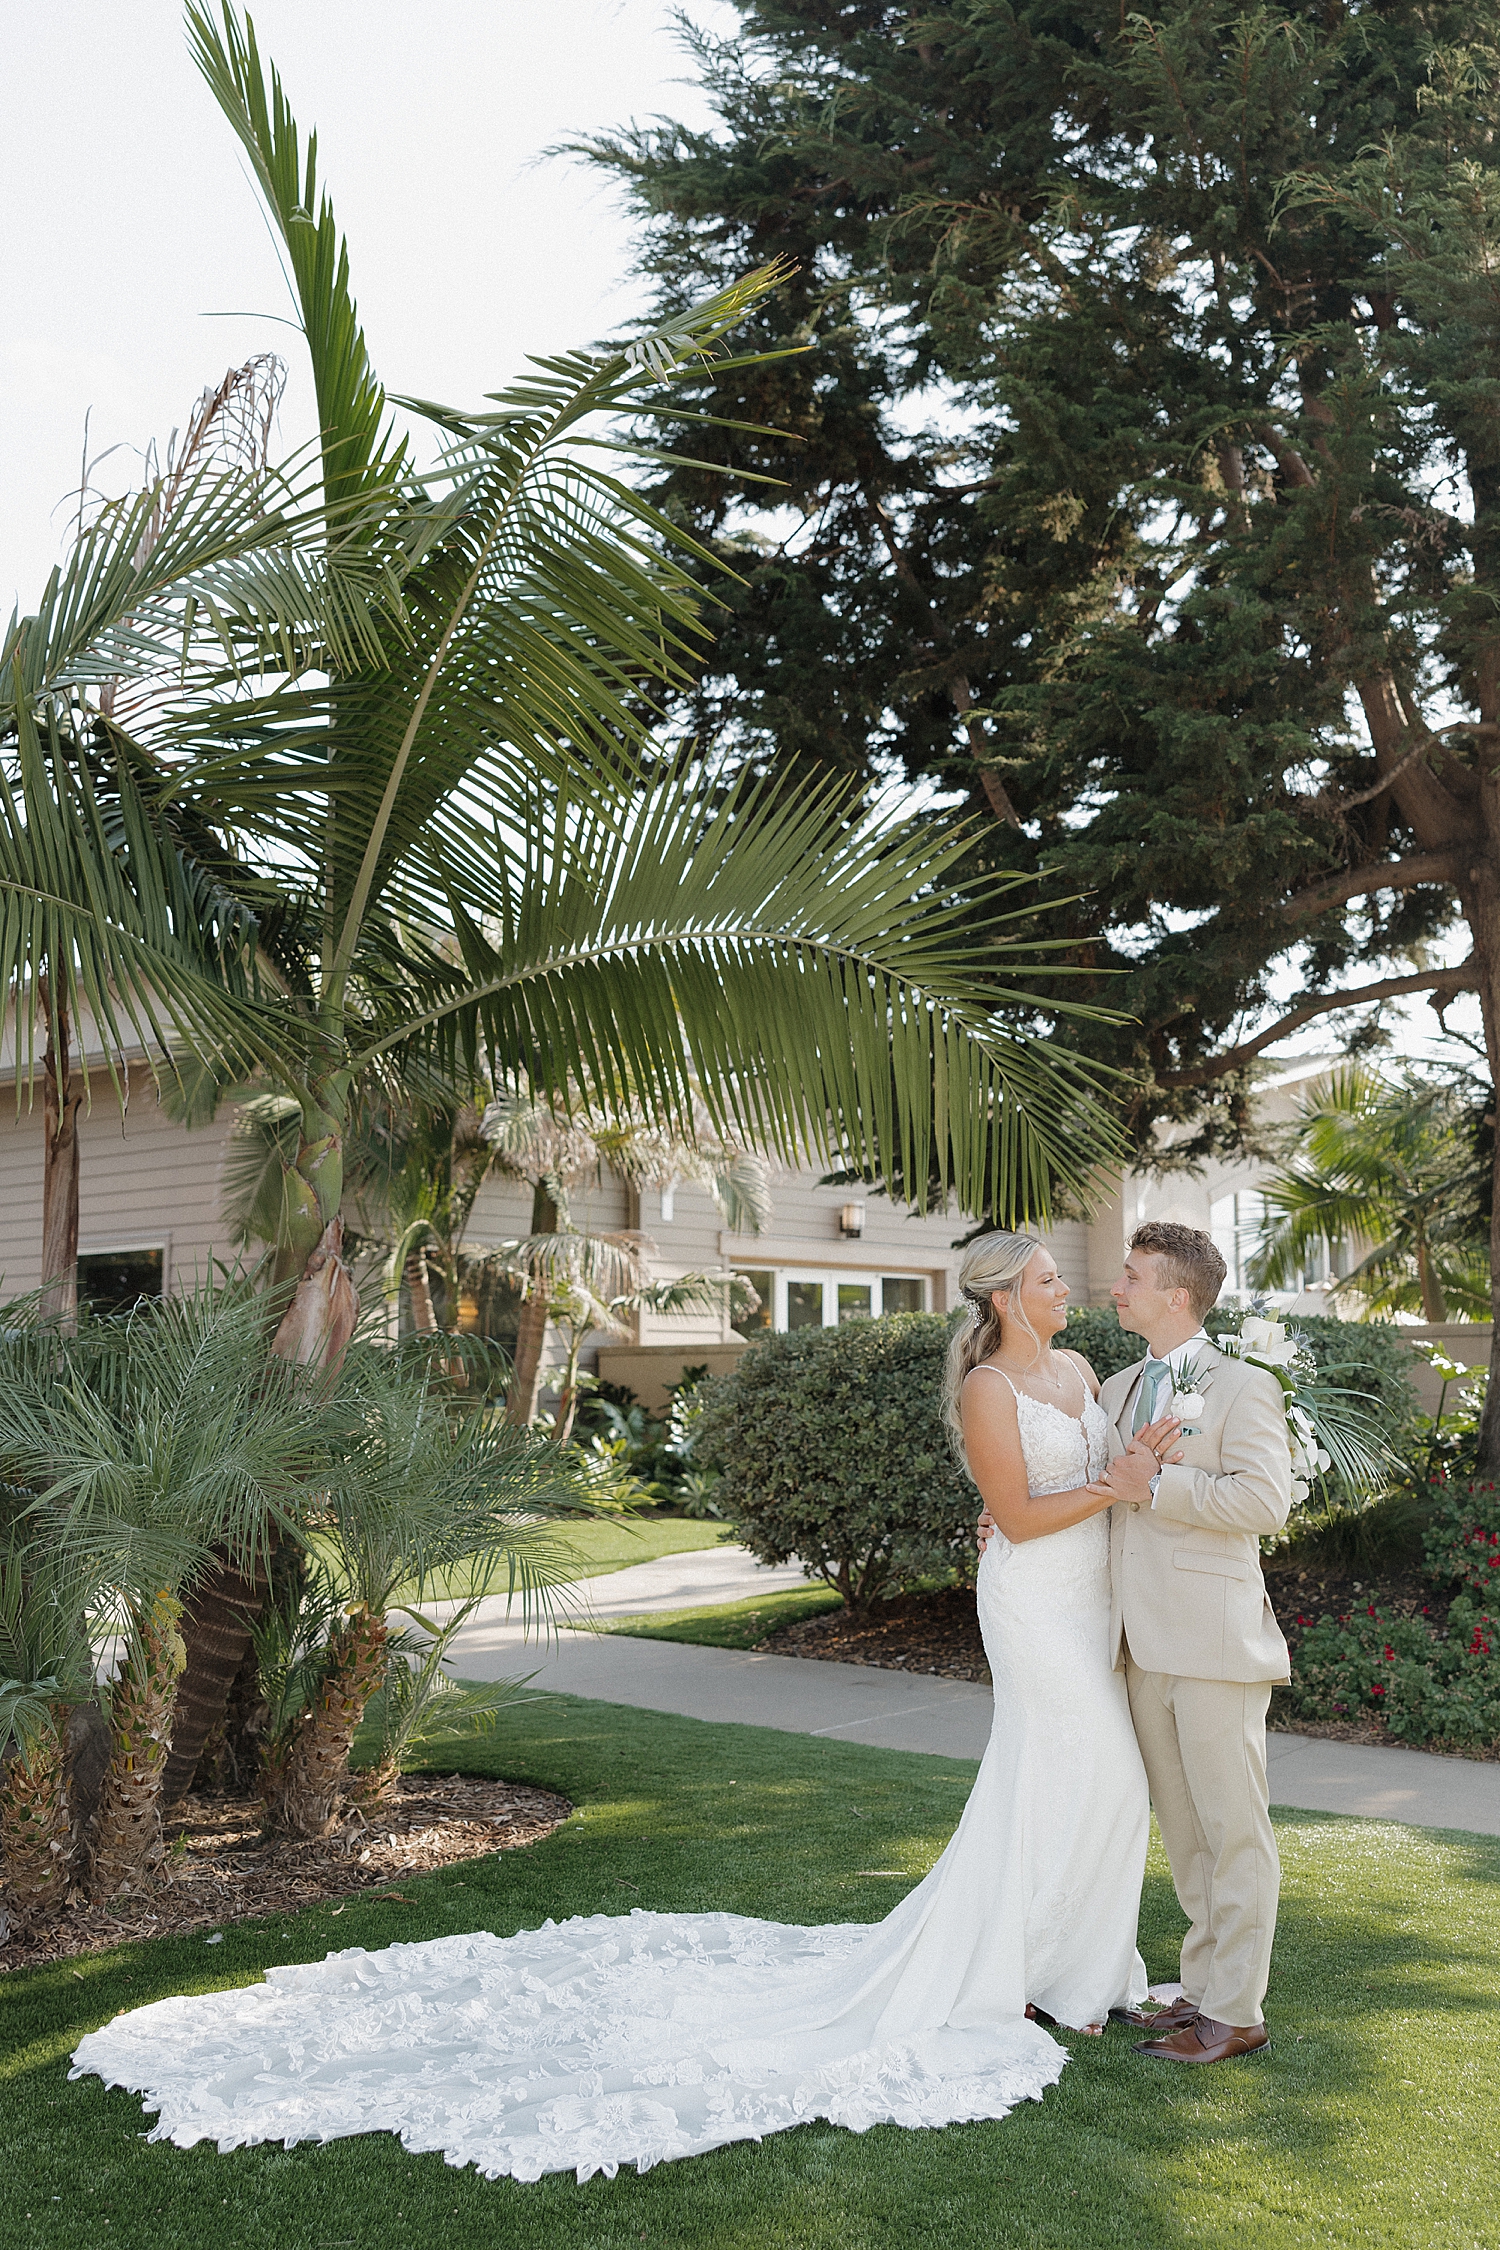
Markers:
{"x": 729, "y": 1624}
{"x": 603, "y": 1544}
{"x": 1371, "y": 2121}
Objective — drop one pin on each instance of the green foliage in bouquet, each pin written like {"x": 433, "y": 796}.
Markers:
{"x": 832, "y": 1447}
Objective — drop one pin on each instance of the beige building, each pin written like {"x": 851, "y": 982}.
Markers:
{"x": 150, "y": 1220}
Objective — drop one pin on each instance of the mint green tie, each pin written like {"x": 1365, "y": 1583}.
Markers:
{"x": 1146, "y": 1397}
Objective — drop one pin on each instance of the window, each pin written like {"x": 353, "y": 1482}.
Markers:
{"x": 1237, "y": 1222}
{"x": 112, "y": 1281}
{"x": 827, "y": 1300}
{"x": 759, "y": 1322}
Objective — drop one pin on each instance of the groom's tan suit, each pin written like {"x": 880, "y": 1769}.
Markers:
{"x": 1200, "y": 1648}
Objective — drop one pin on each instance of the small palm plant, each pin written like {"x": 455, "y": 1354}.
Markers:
{"x": 422, "y": 1500}
{"x": 584, "y": 1279}
{"x": 1395, "y": 1165}
{"x": 46, "y": 1668}
{"x": 154, "y": 1443}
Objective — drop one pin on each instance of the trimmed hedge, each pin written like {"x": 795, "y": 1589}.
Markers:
{"x": 833, "y": 1448}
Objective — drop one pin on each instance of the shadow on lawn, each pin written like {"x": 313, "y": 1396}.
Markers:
{"x": 1376, "y": 1967}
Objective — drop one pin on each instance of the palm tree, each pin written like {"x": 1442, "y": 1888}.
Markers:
{"x": 46, "y": 1670}
{"x": 152, "y": 1443}
{"x": 419, "y": 1498}
{"x": 1391, "y": 1164}
{"x": 589, "y": 1279}
{"x": 434, "y": 840}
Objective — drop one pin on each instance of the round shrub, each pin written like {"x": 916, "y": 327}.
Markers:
{"x": 833, "y": 1448}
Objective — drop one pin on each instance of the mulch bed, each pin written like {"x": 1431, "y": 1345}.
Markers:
{"x": 222, "y": 1867}
{"x": 935, "y": 1633}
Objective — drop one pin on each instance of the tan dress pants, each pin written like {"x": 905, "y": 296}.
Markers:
{"x": 1204, "y": 1747}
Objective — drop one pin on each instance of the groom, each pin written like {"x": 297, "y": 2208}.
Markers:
{"x": 1193, "y": 1631}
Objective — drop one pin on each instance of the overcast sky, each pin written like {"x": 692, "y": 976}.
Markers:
{"x": 129, "y": 219}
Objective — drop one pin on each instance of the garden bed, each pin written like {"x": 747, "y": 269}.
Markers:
{"x": 222, "y": 1866}
{"x": 938, "y": 1634}
{"x": 934, "y": 1633}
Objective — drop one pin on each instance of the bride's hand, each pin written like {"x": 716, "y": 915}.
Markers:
{"x": 1161, "y": 1437}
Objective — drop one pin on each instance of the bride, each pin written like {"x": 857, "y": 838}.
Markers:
{"x": 607, "y": 2040}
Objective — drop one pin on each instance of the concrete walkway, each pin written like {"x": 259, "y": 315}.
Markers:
{"x": 893, "y": 1710}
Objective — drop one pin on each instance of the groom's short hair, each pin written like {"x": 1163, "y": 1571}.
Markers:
{"x": 1188, "y": 1260}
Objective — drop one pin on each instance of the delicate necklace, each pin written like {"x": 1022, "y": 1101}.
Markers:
{"x": 1033, "y": 1374}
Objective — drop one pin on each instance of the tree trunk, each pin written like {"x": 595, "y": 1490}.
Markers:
{"x": 127, "y": 1845}
{"x": 373, "y": 1786}
{"x": 1482, "y": 909}
{"x": 524, "y": 1393}
{"x": 216, "y": 1627}
{"x": 35, "y": 1833}
{"x": 1434, "y": 1303}
{"x": 61, "y": 1104}
{"x": 419, "y": 1291}
{"x": 308, "y": 1777}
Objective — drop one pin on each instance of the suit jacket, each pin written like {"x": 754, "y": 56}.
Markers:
{"x": 1188, "y": 1594}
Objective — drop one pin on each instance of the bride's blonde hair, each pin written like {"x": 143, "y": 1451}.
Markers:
{"x": 995, "y": 1261}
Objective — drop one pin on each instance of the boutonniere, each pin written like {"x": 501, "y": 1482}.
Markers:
{"x": 1190, "y": 1388}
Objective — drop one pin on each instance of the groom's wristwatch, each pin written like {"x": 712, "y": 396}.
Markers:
{"x": 1155, "y": 1481}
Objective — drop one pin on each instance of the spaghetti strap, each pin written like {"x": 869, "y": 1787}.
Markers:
{"x": 984, "y": 1368}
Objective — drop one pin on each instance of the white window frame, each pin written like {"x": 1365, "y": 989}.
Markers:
{"x": 829, "y": 1278}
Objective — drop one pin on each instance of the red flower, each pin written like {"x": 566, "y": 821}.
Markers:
{"x": 1390, "y": 1654}
{"x": 1377, "y": 1689}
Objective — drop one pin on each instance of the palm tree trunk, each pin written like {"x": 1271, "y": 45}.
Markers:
{"x": 314, "y": 1331}
{"x": 1434, "y": 1303}
{"x": 59, "y": 1170}
{"x": 419, "y": 1291}
{"x": 308, "y": 1778}
{"x": 374, "y": 1786}
{"x": 216, "y": 1627}
{"x": 35, "y": 1838}
{"x": 126, "y": 1844}
{"x": 524, "y": 1393}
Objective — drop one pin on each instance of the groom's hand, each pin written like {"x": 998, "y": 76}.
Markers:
{"x": 1129, "y": 1475}
{"x": 985, "y": 1529}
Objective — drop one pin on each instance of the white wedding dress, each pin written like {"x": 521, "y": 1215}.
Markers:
{"x": 608, "y": 2040}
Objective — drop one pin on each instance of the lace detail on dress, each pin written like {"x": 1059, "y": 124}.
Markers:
{"x": 581, "y": 2046}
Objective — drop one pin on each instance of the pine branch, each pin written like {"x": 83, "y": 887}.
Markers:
{"x": 1378, "y": 875}
{"x": 1464, "y": 978}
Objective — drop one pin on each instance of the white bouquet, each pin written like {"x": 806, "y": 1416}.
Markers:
{"x": 1325, "y": 1434}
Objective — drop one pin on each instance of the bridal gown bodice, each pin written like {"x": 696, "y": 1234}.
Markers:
{"x": 614, "y": 2039}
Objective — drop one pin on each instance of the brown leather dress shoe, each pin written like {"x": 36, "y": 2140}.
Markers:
{"x": 1205, "y": 2041}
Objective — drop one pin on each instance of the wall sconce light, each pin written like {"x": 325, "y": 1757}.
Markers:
{"x": 852, "y": 1219}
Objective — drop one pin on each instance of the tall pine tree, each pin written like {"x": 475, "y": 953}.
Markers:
{"x": 1142, "y": 483}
